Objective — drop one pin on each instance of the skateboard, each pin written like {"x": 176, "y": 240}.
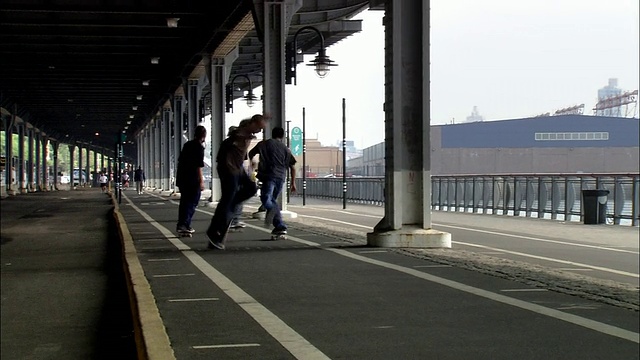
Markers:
{"x": 185, "y": 234}
{"x": 278, "y": 237}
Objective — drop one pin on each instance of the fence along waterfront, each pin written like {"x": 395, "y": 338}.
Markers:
{"x": 550, "y": 196}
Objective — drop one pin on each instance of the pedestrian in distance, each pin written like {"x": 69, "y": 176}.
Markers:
{"x": 190, "y": 180}
{"x": 275, "y": 159}
{"x": 103, "y": 179}
{"x": 138, "y": 177}
{"x": 236, "y": 185}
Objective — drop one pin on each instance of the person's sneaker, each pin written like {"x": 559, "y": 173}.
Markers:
{"x": 238, "y": 225}
{"x": 183, "y": 229}
{"x": 279, "y": 232}
{"x": 190, "y": 230}
{"x": 268, "y": 219}
{"x": 214, "y": 240}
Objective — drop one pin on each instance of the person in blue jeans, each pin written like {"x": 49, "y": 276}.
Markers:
{"x": 189, "y": 179}
{"x": 275, "y": 159}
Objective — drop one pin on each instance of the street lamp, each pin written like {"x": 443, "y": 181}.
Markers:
{"x": 250, "y": 98}
{"x": 322, "y": 63}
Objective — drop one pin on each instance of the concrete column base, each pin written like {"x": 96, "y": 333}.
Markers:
{"x": 410, "y": 237}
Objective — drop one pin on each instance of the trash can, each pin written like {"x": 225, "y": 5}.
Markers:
{"x": 594, "y": 204}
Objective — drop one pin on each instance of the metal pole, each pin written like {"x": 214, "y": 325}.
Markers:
{"x": 288, "y": 175}
{"x": 344, "y": 154}
{"x": 304, "y": 159}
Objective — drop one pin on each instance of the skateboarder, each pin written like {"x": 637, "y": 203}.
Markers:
{"x": 190, "y": 180}
{"x": 275, "y": 158}
{"x": 235, "y": 183}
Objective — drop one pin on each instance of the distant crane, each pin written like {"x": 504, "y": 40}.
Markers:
{"x": 623, "y": 105}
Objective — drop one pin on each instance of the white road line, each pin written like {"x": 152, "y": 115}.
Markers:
{"x": 297, "y": 345}
{"x": 172, "y": 259}
{"x": 570, "y": 318}
{"x": 612, "y": 248}
{"x": 190, "y": 300}
{"x": 245, "y": 300}
{"x": 541, "y": 240}
{"x": 432, "y": 266}
{"x": 581, "y": 265}
{"x": 373, "y": 251}
{"x": 619, "y": 272}
{"x": 223, "y": 346}
{"x": 172, "y": 275}
{"x": 523, "y": 290}
{"x": 574, "y": 269}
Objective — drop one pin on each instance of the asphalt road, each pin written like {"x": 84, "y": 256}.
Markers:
{"x": 322, "y": 295}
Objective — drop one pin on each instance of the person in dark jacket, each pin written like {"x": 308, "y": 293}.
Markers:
{"x": 138, "y": 177}
{"x": 189, "y": 179}
{"x": 236, "y": 185}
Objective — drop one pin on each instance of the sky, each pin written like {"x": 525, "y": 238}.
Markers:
{"x": 511, "y": 59}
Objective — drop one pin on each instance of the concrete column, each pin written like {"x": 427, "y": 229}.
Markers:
{"x": 277, "y": 15}
{"x": 31, "y": 181}
{"x": 157, "y": 150}
{"x": 102, "y": 161}
{"x": 8, "y": 143}
{"x": 178, "y": 121}
{"x": 95, "y": 169}
{"x": 22, "y": 183}
{"x": 166, "y": 148}
{"x": 151, "y": 154}
{"x": 220, "y": 72}
{"x": 72, "y": 150}
{"x": 193, "y": 103}
{"x": 87, "y": 179}
{"x": 37, "y": 165}
{"x": 407, "y": 219}
{"x": 55, "y": 146}
{"x": 45, "y": 169}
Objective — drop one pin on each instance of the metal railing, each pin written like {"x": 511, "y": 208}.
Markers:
{"x": 554, "y": 196}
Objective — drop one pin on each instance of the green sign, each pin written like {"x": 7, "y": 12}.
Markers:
{"x": 296, "y": 141}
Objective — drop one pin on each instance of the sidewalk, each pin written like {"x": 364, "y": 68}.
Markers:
{"x": 63, "y": 288}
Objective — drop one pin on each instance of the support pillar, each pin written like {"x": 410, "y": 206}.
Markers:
{"x": 407, "y": 219}
{"x": 164, "y": 148}
{"x": 220, "y": 73}
{"x": 72, "y": 150}
{"x": 37, "y": 166}
{"x": 178, "y": 123}
{"x": 55, "y": 146}
{"x": 278, "y": 17}
{"x": 8, "y": 139}
{"x": 193, "y": 102}
{"x": 30, "y": 132}
{"x": 22, "y": 183}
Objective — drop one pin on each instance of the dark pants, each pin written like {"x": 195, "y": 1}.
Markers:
{"x": 236, "y": 189}
{"x": 189, "y": 199}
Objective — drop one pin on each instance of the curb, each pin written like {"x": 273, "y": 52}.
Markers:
{"x": 152, "y": 340}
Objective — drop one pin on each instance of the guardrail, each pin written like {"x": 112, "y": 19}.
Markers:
{"x": 554, "y": 196}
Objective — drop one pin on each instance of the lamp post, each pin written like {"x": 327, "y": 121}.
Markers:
{"x": 250, "y": 98}
{"x": 322, "y": 63}
{"x": 304, "y": 159}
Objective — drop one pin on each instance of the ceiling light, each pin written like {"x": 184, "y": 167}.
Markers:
{"x": 145, "y": 83}
{"x": 130, "y": 116}
{"x": 134, "y": 108}
{"x": 155, "y": 60}
{"x": 172, "y": 22}
{"x": 129, "y": 122}
{"x": 97, "y": 134}
{"x": 139, "y": 97}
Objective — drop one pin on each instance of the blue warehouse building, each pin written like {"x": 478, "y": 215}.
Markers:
{"x": 550, "y": 144}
